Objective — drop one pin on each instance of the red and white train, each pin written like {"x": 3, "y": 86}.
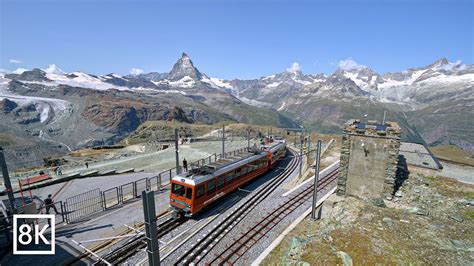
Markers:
{"x": 196, "y": 189}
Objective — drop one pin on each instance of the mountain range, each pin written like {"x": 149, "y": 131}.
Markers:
{"x": 59, "y": 111}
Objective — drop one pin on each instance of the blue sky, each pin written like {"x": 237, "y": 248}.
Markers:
{"x": 233, "y": 39}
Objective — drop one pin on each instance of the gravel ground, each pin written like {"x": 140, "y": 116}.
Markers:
{"x": 244, "y": 196}
{"x": 165, "y": 159}
{"x": 254, "y": 217}
{"x": 223, "y": 209}
{"x": 148, "y": 161}
{"x": 462, "y": 173}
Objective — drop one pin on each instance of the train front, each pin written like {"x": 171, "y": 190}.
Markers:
{"x": 181, "y": 195}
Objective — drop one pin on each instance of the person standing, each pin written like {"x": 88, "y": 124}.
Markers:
{"x": 49, "y": 203}
{"x": 185, "y": 164}
{"x": 87, "y": 165}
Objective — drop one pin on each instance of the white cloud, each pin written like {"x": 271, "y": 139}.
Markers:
{"x": 19, "y": 70}
{"x": 53, "y": 69}
{"x": 295, "y": 67}
{"x": 15, "y": 61}
{"x": 136, "y": 71}
{"x": 458, "y": 65}
{"x": 349, "y": 64}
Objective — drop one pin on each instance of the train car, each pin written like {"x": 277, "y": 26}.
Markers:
{"x": 196, "y": 189}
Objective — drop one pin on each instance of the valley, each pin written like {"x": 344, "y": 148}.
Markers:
{"x": 51, "y": 112}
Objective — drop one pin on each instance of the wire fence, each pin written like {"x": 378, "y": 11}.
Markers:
{"x": 94, "y": 201}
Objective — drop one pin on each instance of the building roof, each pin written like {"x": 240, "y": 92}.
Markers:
{"x": 371, "y": 127}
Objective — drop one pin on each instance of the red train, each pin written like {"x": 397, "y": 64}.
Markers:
{"x": 198, "y": 188}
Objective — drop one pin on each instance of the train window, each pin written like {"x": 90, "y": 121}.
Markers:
{"x": 189, "y": 193}
{"x": 220, "y": 182}
{"x": 245, "y": 169}
{"x": 229, "y": 177}
{"x": 211, "y": 186}
{"x": 199, "y": 191}
{"x": 238, "y": 172}
{"x": 178, "y": 189}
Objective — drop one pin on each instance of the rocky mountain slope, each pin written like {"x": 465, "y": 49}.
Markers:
{"x": 433, "y": 103}
{"x": 71, "y": 110}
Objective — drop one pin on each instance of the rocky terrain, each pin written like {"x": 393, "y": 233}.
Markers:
{"x": 432, "y": 103}
{"x": 429, "y": 221}
{"x": 73, "y": 110}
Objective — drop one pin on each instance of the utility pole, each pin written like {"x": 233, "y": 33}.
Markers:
{"x": 248, "y": 138}
{"x": 151, "y": 230}
{"x": 301, "y": 154}
{"x": 176, "y": 150}
{"x": 6, "y": 181}
{"x": 316, "y": 179}
{"x": 223, "y": 141}
{"x": 309, "y": 146}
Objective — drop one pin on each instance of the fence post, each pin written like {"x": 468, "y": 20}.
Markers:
{"x": 159, "y": 181}
{"x": 118, "y": 195}
{"x": 104, "y": 203}
{"x": 135, "y": 189}
{"x": 66, "y": 212}
{"x": 62, "y": 211}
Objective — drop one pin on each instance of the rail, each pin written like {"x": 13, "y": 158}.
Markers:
{"x": 201, "y": 248}
{"x": 95, "y": 201}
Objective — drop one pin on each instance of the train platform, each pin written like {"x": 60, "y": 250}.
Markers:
{"x": 108, "y": 223}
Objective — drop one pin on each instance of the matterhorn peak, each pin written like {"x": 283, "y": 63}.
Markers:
{"x": 184, "y": 67}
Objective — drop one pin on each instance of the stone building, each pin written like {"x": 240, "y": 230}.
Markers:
{"x": 369, "y": 158}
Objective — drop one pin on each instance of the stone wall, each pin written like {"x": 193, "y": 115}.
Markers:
{"x": 369, "y": 159}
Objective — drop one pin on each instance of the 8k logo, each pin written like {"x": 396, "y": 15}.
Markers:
{"x": 30, "y": 238}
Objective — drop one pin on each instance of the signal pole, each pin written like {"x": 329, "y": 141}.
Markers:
{"x": 316, "y": 180}
{"x": 309, "y": 146}
{"x": 176, "y": 149}
{"x": 6, "y": 181}
{"x": 301, "y": 154}
{"x": 151, "y": 230}
{"x": 248, "y": 138}
{"x": 223, "y": 141}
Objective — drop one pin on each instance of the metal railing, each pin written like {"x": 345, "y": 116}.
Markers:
{"x": 94, "y": 201}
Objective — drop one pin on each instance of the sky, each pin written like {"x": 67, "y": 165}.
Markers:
{"x": 233, "y": 39}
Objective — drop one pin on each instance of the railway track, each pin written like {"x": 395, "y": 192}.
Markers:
{"x": 130, "y": 248}
{"x": 252, "y": 235}
{"x": 205, "y": 244}
{"x": 112, "y": 242}
{"x": 134, "y": 244}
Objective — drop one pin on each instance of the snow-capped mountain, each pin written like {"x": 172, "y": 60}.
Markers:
{"x": 440, "y": 81}
{"x": 184, "y": 68}
{"x": 364, "y": 77}
{"x": 441, "y": 93}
